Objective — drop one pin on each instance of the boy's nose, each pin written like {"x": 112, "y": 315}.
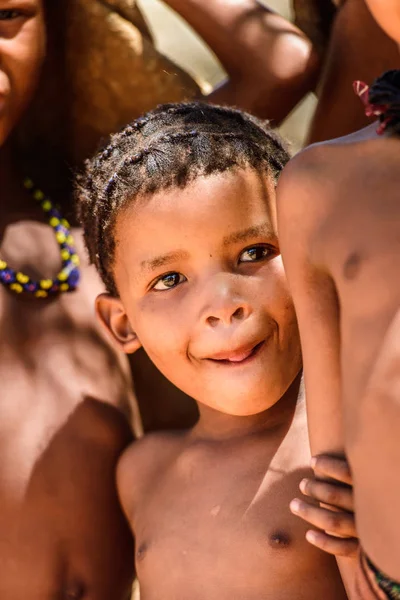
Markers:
{"x": 225, "y": 306}
{"x": 227, "y": 315}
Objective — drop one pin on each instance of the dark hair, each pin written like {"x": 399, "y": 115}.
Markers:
{"x": 384, "y": 95}
{"x": 168, "y": 147}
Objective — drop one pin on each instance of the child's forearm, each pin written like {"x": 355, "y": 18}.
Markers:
{"x": 270, "y": 63}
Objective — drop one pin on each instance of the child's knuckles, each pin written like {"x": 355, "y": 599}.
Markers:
{"x": 335, "y": 522}
{"x": 348, "y": 549}
{"x": 330, "y": 495}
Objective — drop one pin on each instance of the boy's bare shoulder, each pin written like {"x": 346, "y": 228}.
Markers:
{"x": 312, "y": 181}
{"x": 143, "y": 461}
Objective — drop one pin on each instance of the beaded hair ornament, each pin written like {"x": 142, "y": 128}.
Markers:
{"x": 382, "y": 100}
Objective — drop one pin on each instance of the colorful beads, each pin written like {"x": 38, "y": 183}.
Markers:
{"x": 68, "y": 278}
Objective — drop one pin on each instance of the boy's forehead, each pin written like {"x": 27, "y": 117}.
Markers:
{"x": 210, "y": 201}
{"x": 220, "y": 209}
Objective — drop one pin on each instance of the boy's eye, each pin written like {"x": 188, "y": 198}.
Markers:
{"x": 255, "y": 253}
{"x": 9, "y": 15}
{"x": 168, "y": 281}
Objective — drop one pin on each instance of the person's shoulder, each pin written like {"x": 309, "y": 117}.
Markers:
{"x": 100, "y": 424}
{"x": 302, "y": 194}
{"x": 317, "y": 164}
{"x": 144, "y": 461}
{"x": 152, "y": 450}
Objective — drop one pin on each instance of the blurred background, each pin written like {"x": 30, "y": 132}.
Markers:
{"x": 178, "y": 41}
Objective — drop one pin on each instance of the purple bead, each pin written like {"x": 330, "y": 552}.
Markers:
{"x": 7, "y": 275}
{"x": 74, "y": 277}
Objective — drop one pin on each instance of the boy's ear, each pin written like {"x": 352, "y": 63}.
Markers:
{"x": 113, "y": 318}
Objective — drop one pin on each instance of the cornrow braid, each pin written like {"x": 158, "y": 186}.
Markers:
{"x": 168, "y": 147}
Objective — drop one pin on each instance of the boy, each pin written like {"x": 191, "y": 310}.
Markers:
{"x": 179, "y": 219}
{"x": 339, "y": 222}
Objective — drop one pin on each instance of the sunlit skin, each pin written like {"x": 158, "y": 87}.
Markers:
{"x": 387, "y": 14}
{"x": 202, "y": 289}
{"x": 339, "y": 218}
{"x": 65, "y": 393}
{"x": 339, "y": 221}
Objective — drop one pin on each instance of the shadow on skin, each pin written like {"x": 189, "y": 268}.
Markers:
{"x": 71, "y": 514}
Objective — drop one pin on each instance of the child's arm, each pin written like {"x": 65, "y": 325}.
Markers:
{"x": 302, "y": 195}
{"x": 335, "y": 519}
{"x": 270, "y": 63}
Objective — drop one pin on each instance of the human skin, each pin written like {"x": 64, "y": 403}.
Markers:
{"x": 66, "y": 396}
{"x": 387, "y": 14}
{"x": 202, "y": 289}
{"x": 339, "y": 220}
{"x": 352, "y": 55}
{"x": 271, "y": 64}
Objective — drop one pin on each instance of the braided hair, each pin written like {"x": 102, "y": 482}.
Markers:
{"x": 168, "y": 147}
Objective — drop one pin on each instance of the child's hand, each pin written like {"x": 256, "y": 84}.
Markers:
{"x": 336, "y": 517}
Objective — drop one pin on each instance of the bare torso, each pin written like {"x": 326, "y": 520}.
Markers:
{"x": 340, "y": 224}
{"x": 358, "y": 243}
{"x": 211, "y": 519}
{"x": 62, "y": 429}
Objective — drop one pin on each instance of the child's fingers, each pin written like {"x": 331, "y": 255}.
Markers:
{"x": 338, "y": 546}
{"x": 336, "y": 495}
{"x": 341, "y": 524}
{"x": 333, "y": 467}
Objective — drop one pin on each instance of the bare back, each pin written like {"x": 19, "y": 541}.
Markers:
{"x": 340, "y": 223}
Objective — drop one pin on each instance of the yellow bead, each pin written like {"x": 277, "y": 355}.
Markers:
{"x": 65, "y": 255}
{"x": 65, "y": 224}
{"x": 54, "y": 221}
{"x": 62, "y": 276}
{"x": 41, "y": 294}
{"x": 47, "y": 205}
{"x": 64, "y": 287}
{"x": 38, "y": 195}
{"x": 70, "y": 240}
{"x": 16, "y": 287}
{"x": 46, "y": 284}
{"x": 22, "y": 278}
{"x": 28, "y": 184}
{"x": 60, "y": 237}
{"x": 3, "y": 265}
{"x": 75, "y": 260}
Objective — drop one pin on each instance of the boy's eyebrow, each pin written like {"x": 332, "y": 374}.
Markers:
{"x": 163, "y": 259}
{"x": 258, "y": 230}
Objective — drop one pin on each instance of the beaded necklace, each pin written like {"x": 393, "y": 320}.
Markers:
{"x": 68, "y": 278}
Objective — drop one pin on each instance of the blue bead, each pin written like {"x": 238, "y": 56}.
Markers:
{"x": 74, "y": 277}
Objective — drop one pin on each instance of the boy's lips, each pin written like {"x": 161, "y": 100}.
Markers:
{"x": 238, "y": 355}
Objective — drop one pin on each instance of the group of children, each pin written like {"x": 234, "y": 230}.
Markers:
{"x": 185, "y": 214}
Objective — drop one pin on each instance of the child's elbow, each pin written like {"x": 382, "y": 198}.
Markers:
{"x": 286, "y": 72}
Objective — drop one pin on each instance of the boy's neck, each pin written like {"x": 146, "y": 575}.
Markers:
{"x": 214, "y": 425}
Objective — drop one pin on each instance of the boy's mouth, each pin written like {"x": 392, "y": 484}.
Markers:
{"x": 238, "y": 356}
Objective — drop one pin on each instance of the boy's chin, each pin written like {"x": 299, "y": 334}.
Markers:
{"x": 238, "y": 408}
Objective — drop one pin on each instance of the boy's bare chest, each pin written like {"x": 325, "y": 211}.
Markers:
{"x": 219, "y": 536}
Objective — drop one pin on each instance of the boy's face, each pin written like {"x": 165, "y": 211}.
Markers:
{"x": 387, "y": 15}
{"x": 22, "y": 48}
{"x": 203, "y": 288}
